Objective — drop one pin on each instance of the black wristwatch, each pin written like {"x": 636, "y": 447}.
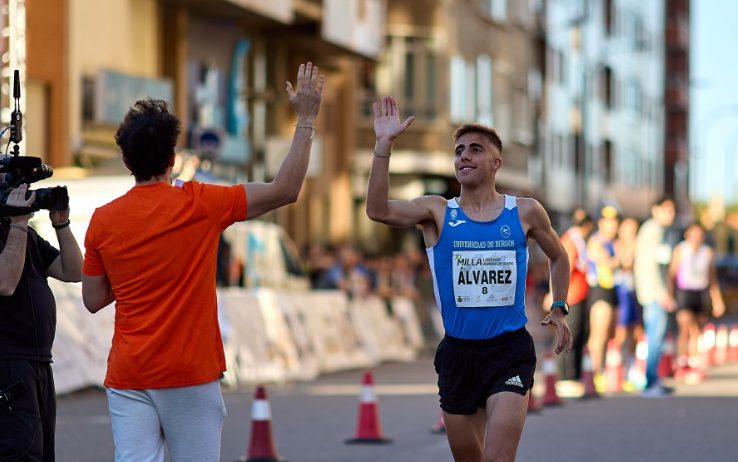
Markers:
{"x": 562, "y": 304}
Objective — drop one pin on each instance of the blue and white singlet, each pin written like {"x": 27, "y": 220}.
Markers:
{"x": 479, "y": 271}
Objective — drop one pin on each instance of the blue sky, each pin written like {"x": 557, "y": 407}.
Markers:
{"x": 714, "y": 109}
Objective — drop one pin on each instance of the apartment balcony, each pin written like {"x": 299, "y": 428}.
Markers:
{"x": 326, "y": 26}
{"x": 676, "y": 151}
{"x": 677, "y": 120}
{"x": 677, "y": 33}
{"x": 310, "y": 9}
{"x": 676, "y": 96}
{"x": 256, "y": 13}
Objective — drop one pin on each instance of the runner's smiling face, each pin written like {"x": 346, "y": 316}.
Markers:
{"x": 475, "y": 159}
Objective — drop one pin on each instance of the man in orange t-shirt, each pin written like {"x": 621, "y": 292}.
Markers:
{"x": 574, "y": 242}
{"x": 153, "y": 252}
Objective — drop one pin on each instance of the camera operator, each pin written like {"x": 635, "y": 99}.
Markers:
{"x": 27, "y": 327}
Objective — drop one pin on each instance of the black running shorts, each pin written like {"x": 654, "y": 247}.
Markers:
{"x": 696, "y": 301}
{"x": 609, "y": 296}
{"x": 470, "y": 371}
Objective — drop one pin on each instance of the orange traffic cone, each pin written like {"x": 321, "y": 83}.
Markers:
{"x": 682, "y": 368}
{"x": 705, "y": 358}
{"x": 261, "y": 447}
{"x": 440, "y": 425}
{"x": 637, "y": 372}
{"x": 590, "y": 391}
{"x": 368, "y": 428}
{"x": 721, "y": 345}
{"x": 708, "y": 346}
{"x": 614, "y": 372}
{"x": 666, "y": 363}
{"x": 549, "y": 371}
{"x": 733, "y": 344}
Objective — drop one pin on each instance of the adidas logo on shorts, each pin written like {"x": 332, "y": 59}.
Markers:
{"x": 514, "y": 381}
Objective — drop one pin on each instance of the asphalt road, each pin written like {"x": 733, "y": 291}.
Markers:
{"x": 311, "y": 420}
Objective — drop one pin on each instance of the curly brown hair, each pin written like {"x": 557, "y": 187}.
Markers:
{"x": 147, "y": 137}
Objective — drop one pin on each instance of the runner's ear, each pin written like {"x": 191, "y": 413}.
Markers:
{"x": 497, "y": 164}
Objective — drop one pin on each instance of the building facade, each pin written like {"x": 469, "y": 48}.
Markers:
{"x": 449, "y": 62}
{"x": 221, "y": 64}
{"x": 676, "y": 102}
{"x": 574, "y": 88}
{"x": 603, "y": 119}
{"x": 33, "y": 43}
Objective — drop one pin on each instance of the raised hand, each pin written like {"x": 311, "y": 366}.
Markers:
{"x": 387, "y": 125}
{"x": 306, "y": 98}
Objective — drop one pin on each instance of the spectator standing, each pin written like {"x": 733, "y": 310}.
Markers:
{"x": 693, "y": 284}
{"x": 574, "y": 242}
{"x": 652, "y": 259}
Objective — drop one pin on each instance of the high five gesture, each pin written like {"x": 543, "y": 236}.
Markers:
{"x": 285, "y": 188}
{"x": 387, "y": 125}
{"x": 306, "y": 98}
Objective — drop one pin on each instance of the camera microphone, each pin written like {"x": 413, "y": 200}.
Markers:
{"x": 16, "y": 84}
{"x": 26, "y": 169}
{"x": 16, "y": 118}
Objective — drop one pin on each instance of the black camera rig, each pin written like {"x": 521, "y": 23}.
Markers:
{"x": 20, "y": 170}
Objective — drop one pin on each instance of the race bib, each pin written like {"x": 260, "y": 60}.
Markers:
{"x": 484, "y": 278}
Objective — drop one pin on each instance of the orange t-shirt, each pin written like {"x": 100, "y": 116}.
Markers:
{"x": 158, "y": 245}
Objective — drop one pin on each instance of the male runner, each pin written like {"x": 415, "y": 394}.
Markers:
{"x": 477, "y": 250}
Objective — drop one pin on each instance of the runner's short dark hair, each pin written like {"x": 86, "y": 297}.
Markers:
{"x": 489, "y": 132}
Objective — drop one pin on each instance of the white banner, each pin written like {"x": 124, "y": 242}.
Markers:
{"x": 268, "y": 335}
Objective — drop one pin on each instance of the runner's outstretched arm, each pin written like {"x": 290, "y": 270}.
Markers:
{"x": 399, "y": 213}
{"x": 285, "y": 188}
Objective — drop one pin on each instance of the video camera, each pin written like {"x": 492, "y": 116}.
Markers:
{"x": 20, "y": 170}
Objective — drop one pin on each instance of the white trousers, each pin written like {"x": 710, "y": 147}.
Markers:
{"x": 187, "y": 419}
